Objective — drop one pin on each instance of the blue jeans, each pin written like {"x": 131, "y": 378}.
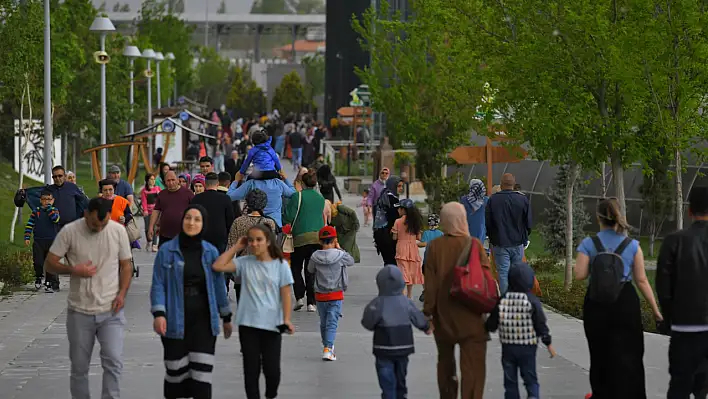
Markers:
{"x": 519, "y": 359}
{"x": 392, "y": 373}
{"x": 329, "y": 312}
{"x": 297, "y": 157}
{"x": 504, "y": 257}
{"x": 280, "y": 145}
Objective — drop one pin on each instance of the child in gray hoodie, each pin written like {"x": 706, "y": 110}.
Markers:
{"x": 390, "y": 316}
{"x": 329, "y": 265}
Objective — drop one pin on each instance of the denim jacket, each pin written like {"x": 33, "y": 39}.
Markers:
{"x": 167, "y": 290}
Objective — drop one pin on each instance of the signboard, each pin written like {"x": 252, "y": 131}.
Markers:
{"x": 32, "y": 151}
{"x": 175, "y": 147}
{"x": 184, "y": 116}
{"x": 180, "y": 100}
{"x": 168, "y": 126}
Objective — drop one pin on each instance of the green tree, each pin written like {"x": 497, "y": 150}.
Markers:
{"x": 222, "y": 8}
{"x": 245, "y": 97}
{"x": 314, "y": 75}
{"x": 657, "y": 195}
{"x": 212, "y": 78}
{"x": 423, "y": 76}
{"x": 290, "y": 95}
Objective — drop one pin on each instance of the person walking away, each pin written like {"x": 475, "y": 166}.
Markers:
{"x": 521, "y": 322}
{"x": 385, "y": 215}
{"x": 263, "y": 157}
{"x": 160, "y": 181}
{"x": 219, "y": 213}
{"x": 475, "y": 203}
{"x": 169, "y": 207}
{"x": 612, "y": 316}
{"x": 42, "y": 225}
{"x": 148, "y": 198}
{"x": 377, "y": 188}
{"x": 187, "y": 318}
{"x": 122, "y": 187}
{"x": 390, "y": 316}
{"x": 276, "y": 189}
{"x": 96, "y": 251}
{"x": 256, "y": 202}
{"x": 406, "y": 231}
{"x": 508, "y": 222}
{"x": 454, "y": 323}
{"x": 365, "y": 207}
{"x": 263, "y": 312}
{"x": 296, "y": 139}
{"x": 304, "y": 214}
{"x": 329, "y": 268}
{"x": 327, "y": 182}
{"x": 346, "y": 222}
{"x": 429, "y": 235}
{"x": 681, "y": 278}
{"x": 224, "y": 183}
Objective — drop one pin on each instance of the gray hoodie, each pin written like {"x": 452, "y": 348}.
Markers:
{"x": 330, "y": 269}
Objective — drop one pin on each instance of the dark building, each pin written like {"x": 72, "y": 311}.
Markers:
{"x": 343, "y": 53}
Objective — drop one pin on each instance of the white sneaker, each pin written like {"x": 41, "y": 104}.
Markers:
{"x": 328, "y": 355}
{"x": 299, "y": 304}
{"x": 311, "y": 308}
{"x": 154, "y": 248}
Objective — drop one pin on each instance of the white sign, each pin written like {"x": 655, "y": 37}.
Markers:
{"x": 174, "y": 151}
{"x": 32, "y": 151}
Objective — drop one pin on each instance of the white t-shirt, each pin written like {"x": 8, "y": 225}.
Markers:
{"x": 78, "y": 244}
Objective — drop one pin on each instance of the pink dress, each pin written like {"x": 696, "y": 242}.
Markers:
{"x": 407, "y": 254}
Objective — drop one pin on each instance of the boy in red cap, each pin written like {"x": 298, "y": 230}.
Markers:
{"x": 329, "y": 265}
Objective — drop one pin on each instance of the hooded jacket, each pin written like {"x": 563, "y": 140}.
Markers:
{"x": 263, "y": 157}
{"x": 519, "y": 314}
{"x": 330, "y": 269}
{"x": 391, "y": 314}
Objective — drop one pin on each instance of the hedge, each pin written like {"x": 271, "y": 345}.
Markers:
{"x": 16, "y": 266}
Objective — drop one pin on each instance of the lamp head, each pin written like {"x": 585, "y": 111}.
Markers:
{"x": 170, "y": 56}
{"x": 131, "y": 52}
{"x": 159, "y": 57}
{"x": 101, "y": 57}
{"x": 149, "y": 54}
{"x": 102, "y": 25}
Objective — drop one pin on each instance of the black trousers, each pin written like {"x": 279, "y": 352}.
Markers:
{"x": 298, "y": 263}
{"x": 261, "y": 350}
{"x": 616, "y": 343}
{"x": 40, "y": 250}
{"x": 386, "y": 246}
{"x": 688, "y": 353}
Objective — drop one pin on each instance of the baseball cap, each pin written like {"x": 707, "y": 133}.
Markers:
{"x": 327, "y": 232}
{"x": 114, "y": 169}
{"x": 405, "y": 203}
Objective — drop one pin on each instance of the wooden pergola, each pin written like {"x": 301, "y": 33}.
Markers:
{"x": 138, "y": 148}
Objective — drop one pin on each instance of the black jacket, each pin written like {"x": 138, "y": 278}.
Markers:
{"x": 508, "y": 219}
{"x": 219, "y": 219}
{"x": 682, "y": 276}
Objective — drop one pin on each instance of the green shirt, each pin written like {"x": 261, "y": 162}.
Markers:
{"x": 310, "y": 219}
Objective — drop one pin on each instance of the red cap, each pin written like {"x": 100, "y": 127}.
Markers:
{"x": 327, "y": 232}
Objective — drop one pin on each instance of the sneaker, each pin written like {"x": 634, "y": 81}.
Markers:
{"x": 299, "y": 304}
{"x": 38, "y": 283}
{"x": 154, "y": 248}
{"x": 311, "y": 308}
{"x": 422, "y": 297}
{"x": 328, "y": 355}
{"x": 48, "y": 290}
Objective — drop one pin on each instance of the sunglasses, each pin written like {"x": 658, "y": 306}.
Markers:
{"x": 57, "y": 176}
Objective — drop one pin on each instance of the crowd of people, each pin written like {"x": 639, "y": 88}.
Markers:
{"x": 289, "y": 247}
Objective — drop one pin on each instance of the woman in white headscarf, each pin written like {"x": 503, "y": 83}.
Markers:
{"x": 475, "y": 203}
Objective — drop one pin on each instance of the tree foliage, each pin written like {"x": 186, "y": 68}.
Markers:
{"x": 314, "y": 75}
{"x": 213, "y": 78}
{"x": 245, "y": 97}
{"x": 290, "y": 95}
{"x": 658, "y": 201}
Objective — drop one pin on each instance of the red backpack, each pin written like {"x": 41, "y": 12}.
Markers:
{"x": 473, "y": 285}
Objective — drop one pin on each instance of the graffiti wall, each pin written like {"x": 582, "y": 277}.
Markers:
{"x": 30, "y": 149}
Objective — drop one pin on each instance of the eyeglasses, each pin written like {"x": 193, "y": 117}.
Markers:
{"x": 57, "y": 176}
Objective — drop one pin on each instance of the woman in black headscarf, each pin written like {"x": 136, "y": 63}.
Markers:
{"x": 187, "y": 300}
{"x": 328, "y": 183}
{"x": 386, "y": 215}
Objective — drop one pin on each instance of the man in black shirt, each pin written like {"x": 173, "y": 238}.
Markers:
{"x": 220, "y": 212}
{"x": 224, "y": 184}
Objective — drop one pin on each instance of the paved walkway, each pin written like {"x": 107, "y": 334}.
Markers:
{"x": 34, "y": 350}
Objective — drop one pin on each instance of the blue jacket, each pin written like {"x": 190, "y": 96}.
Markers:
{"x": 69, "y": 200}
{"x": 391, "y": 314}
{"x": 263, "y": 157}
{"x": 167, "y": 290}
{"x": 476, "y": 221}
{"x": 275, "y": 189}
{"x": 508, "y": 219}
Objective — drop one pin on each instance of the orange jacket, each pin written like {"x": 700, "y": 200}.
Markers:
{"x": 118, "y": 209}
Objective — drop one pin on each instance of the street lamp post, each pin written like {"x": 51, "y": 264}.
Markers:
{"x": 158, "y": 57}
{"x": 149, "y": 54}
{"x": 103, "y": 26}
{"x": 48, "y": 139}
{"x": 171, "y": 57}
{"x": 132, "y": 53}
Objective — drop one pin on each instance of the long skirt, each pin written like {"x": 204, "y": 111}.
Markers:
{"x": 189, "y": 362}
{"x": 616, "y": 343}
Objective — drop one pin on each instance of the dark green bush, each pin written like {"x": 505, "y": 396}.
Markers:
{"x": 16, "y": 267}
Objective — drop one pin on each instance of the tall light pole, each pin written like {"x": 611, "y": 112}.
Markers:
{"x": 158, "y": 58}
{"x": 48, "y": 139}
{"x": 132, "y": 53}
{"x": 171, "y": 57}
{"x": 149, "y": 54}
{"x": 103, "y": 26}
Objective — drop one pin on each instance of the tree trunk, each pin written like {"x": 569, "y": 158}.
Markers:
{"x": 64, "y": 152}
{"x": 652, "y": 238}
{"x": 678, "y": 160}
{"x": 570, "y": 184}
{"x": 618, "y": 177}
{"x": 603, "y": 182}
{"x": 74, "y": 154}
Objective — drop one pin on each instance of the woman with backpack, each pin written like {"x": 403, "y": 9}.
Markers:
{"x": 385, "y": 216}
{"x": 454, "y": 323}
{"x": 612, "y": 315}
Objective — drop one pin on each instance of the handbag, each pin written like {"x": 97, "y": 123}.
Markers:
{"x": 133, "y": 230}
{"x": 289, "y": 242}
{"x": 473, "y": 284}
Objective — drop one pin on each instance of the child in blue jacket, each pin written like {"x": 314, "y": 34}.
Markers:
{"x": 43, "y": 224}
{"x": 390, "y": 316}
{"x": 265, "y": 161}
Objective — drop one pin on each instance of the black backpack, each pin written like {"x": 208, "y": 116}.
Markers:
{"x": 606, "y": 272}
{"x": 20, "y": 198}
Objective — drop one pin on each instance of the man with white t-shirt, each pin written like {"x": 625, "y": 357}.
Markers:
{"x": 97, "y": 251}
